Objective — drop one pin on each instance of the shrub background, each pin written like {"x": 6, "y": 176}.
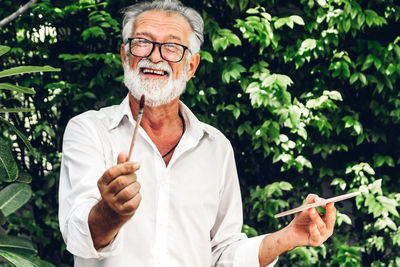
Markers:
{"x": 307, "y": 91}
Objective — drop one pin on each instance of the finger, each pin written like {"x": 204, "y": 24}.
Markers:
{"x": 315, "y": 236}
{"x": 130, "y": 206}
{"x": 122, "y": 158}
{"x": 330, "y": 216}
{"x": 311, "y": 198}
{"x": 319, "y": 199}
{"x": 118, "y": 170}
{"x": 121, "y": 182}
{"x": 317, "y": 220}
{"x": 128, "y": 192}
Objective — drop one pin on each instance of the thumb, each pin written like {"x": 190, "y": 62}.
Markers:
{"x": 122, "y": 158}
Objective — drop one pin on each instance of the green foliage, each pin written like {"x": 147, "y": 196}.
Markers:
{"x": 16, "y": 251}
{"x": 305, "y": 90}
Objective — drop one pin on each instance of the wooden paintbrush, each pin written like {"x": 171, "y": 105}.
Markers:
{"x": 138, "y": 119}
{"x": 317, "y": 204}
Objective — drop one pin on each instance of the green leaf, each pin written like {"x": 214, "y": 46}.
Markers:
{"x": 231, "y": 3}
{"x": 354, "y": 78}
{"x": 20, "y": 135}
{"x": 16, "y": 110}
{"x": 368, "y": 62}
{"x": 342, "y": 218}
{"x": 18, "y": 260}
{"x": 94, "y": 31}
{"x": 346, "y": 25}
{"x": 250, "y": 10}
{"x": 297, "y": 19}
{"x": 14, "y": 196}
{"x": 283, "y": 81}
{"x": 8, "y": 166}
{"x": 280, "y": 22}
{"x": 206, "y": 56}
{"x": 26, "y": 69}
{"x": 17, "y": 244}
{"x": 307, "y": 44}
{"x": 4, "y": 49}
{"x": 389, "y": 204}
{"x": 24, "y": 177}
{"x": 17, "y": 88}
{"x": 269, "y": 80}
{"x": 285, "y": 186}
{"x": 380, "y": 224}
{"x": 243, "y": 4}
{"x": 334, "y": 95}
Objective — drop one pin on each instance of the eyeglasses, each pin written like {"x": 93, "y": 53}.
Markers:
{"x": 171, "y": 52}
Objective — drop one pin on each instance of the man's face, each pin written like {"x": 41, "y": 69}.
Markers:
{"x": 154, "y": 76}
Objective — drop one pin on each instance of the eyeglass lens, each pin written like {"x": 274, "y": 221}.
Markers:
{"x": 169, "y": 51}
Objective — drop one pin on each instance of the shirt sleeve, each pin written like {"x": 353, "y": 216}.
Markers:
{"x": 230, "y": 247}
{"x": 83, "y": 163}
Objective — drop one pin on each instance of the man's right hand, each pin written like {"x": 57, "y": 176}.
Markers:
{"x": 119, "y": 187}
{"x": 120, "y": 194}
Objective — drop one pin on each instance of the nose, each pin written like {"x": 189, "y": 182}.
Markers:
{"x": 155, "y": 56}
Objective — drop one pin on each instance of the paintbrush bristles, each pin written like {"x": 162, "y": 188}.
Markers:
{"x": 141, "y": 104}
{"x": 138, "y": 119}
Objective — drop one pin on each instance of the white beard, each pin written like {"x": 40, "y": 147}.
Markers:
{"x": 157, "y": 91}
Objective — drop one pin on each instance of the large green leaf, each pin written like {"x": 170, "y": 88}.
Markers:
{"x": 20, "y": 135}
{"x": 16, "y": 110}
{"x": 14, "y": 196}
{"x": 26, "y": 69}
{"x": 8, "y": 166}
{"x": 17, "y": 88}
{"x": 18, "y": 260}
{"x": 4, "y": 49}
{"x": 17, "y": 244}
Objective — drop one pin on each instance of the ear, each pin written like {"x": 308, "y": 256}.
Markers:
{"x": 123, "y": 55}
{"x": 193, "y": 64}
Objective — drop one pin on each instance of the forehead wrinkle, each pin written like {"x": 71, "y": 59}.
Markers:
{"x": 151, "y": 36}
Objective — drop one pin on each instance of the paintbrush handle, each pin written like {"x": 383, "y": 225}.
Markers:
{"x": 139, "y": 118}
{"x": 317, "y": 204}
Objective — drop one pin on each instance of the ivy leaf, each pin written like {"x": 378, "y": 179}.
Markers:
{"x": 389, "y": 204}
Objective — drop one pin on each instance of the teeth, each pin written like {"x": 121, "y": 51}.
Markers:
{"x": 158, "y": 72}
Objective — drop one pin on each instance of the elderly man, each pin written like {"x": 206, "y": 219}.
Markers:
{"x": 181, "y": 206}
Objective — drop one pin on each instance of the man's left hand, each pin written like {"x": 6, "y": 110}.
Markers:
{"x": 310, "y": 228}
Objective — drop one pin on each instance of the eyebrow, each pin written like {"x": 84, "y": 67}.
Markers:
{"x": 169, "y": 37}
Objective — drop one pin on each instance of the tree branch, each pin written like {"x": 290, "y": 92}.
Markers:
{"x": 17, "y": 13}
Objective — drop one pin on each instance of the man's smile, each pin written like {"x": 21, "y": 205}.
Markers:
{"x": 153, "y": 72}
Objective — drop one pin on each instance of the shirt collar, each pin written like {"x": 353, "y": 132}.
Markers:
{"x": 122, "y": 110}
{"x": 193, "y": 125}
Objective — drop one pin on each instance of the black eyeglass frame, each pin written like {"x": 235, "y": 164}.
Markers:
{"x": 159, "y": 48}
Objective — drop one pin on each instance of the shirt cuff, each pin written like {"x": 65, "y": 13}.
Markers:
{"x": 247, "y": 253}
{"x": 79, "y": 240}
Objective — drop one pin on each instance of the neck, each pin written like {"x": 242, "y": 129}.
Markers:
{"x": 162, "y": 124}
{"x": 157, "y": 119}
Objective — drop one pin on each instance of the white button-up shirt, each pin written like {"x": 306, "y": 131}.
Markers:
{"x": 191, "y": 210}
